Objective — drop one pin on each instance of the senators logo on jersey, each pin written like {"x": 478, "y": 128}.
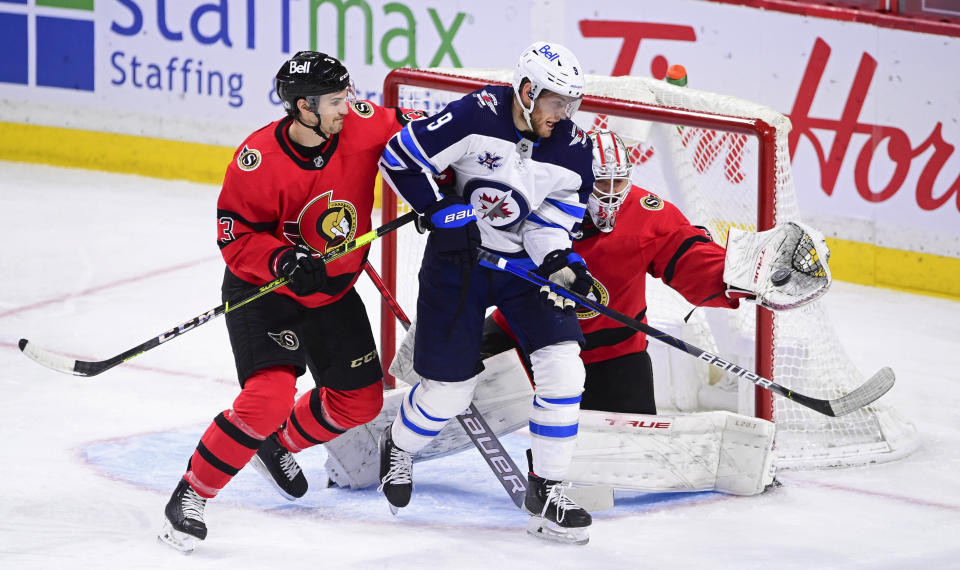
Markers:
{"x": 248, "y": 159}
{"x": 323, "y": 223}
{"x": 597, "y": 293}
{"x": 652, "y": 202}
{"x": 363, "y": 109}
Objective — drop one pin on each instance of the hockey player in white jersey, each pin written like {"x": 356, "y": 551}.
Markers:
{"x": 523, "y": 176}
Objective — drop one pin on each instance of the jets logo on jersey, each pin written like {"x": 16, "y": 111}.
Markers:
{"x": 287, "y": 339}
{"x": 496, "y": 203}
{"x": 491, "y": 161}
{"x": 323, "y": 223}
{"x": 248, "y": 159}
{"x": 363, "y": 109}
{"x": 487, "y": 100}
{"x": 652, "y": 202}
{"x": 597, "y": 293}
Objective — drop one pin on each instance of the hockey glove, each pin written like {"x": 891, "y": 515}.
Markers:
{"x": 457, "y": 237}
{"x": 785, "y": 267}
{"x": 307, "y": 274}
{"x": 567, "y": 269}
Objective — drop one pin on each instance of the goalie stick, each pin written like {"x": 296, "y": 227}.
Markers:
{"x": 69, "y": 365}
{"x": 866, "y": 393}
{"x": 510, "y": 476}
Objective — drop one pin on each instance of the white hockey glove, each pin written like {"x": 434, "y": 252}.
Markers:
{"x": 785, "y": 267}
{"x": 567, "y": 269}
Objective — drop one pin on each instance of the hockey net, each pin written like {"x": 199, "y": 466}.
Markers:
{"x": 724, "y": 162}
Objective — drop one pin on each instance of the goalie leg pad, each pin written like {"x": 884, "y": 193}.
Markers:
{"x": 502, "y": 395}
{"x": 402, "y": 366}
{"x": 719, "y": 451}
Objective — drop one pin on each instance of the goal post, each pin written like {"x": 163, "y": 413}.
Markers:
{"x": 725, "y": 162}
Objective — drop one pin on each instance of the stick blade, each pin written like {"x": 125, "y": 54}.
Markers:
{"x": 51, "y": 360}
{"x": 867, "y": 393}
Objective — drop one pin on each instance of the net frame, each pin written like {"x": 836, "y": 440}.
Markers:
{"x": 764, "y": 132}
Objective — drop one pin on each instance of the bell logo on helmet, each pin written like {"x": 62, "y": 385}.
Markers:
{"x": 547, "y": 53}
{"x": 299, "y": 67}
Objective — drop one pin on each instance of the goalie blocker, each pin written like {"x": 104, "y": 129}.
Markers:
{"x": 717, "y": 450}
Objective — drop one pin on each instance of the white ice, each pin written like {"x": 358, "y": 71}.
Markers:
{"x": 95, "y": 263}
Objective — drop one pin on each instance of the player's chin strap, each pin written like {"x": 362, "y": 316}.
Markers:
{"x": 526, "y": 112}
{"x": 866, "y": 393}
{"x": 315, "y": 128}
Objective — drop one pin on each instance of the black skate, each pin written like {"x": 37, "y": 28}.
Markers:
{"x": 183, "y": 525}
{"x": 396, "y": 472}
{"x": 278, "y": 466}
{"x": 553, "y": 515}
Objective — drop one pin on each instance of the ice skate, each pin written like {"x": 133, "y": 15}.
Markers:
{"x": 278, "y": 466}
{"x": 553, "y": 515}
{"x": 396, "y": 473}
{"x": 183, "y": 525}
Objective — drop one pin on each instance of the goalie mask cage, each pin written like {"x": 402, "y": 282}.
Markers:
{"x": 724, "y": 162}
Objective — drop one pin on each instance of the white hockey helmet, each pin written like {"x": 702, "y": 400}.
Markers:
{"x": 550, "y": 66}
{"x": 611, "y": 170}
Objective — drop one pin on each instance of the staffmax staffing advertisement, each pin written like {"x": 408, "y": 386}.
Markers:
{"x": 213, "y": 60}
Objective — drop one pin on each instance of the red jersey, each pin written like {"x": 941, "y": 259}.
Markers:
{"x": 650, "y": 236}
{"x": 274, "y": 197}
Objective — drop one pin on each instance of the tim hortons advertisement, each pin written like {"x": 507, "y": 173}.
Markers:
{"x": 876, "y": 116}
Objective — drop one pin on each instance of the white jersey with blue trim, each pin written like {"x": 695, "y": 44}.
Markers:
{"x": 528, "y": 196}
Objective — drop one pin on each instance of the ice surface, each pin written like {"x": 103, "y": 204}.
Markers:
{"x": 95, "y": 263}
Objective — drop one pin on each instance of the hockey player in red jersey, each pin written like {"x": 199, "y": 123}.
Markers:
{"x": 304, "y": 180}
{"x": 631, "y": 232}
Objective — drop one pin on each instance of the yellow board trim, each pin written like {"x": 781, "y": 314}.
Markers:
{"x": 127, "y": 154}
{"x": 912, "y": 271}
{"x": 851, "y": 261}
{"x": 112, "y": 152}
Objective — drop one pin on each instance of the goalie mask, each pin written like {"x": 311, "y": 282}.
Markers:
{"x": 552, "y": 67}
{"x": 611, "y": 170}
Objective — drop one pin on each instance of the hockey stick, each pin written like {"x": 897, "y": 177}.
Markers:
{"x": 472, "y": 421}
{"x": 68, "y": 365}
{"x": 869, "y": 391}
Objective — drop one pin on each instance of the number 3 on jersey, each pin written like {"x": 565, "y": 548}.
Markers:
{"x": 445, "y": 118}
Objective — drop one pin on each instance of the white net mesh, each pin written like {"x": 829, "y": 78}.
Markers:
{"x": 713, "y": 175}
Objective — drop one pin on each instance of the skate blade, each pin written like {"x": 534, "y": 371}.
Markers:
{"x": 177, "y": 540}
{"x": 265, "y": 473}
{"x": 393, "y": 508}
{"x": 546, "y": 530}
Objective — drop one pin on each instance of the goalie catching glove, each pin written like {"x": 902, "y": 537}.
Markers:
{"x": 567, "y": 269}
{"x": 785, "y": 267}
{"x": 307, "y": 274}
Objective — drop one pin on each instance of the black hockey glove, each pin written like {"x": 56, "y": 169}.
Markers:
{"x": 567, "y": 269}
{"x": 307, "y": 274}
{"x": 455, "y": 225}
